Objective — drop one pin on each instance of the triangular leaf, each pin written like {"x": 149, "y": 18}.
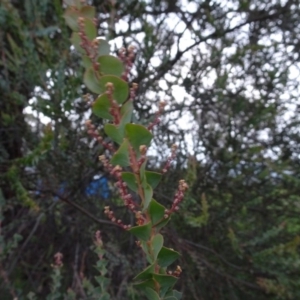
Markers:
{"x": 138, "y": 135}
{"x": 162, "y": 223}
{"x": 91, "y": 81}
{"x": 126, "y": 113}
{"x": 121, "y": 157}
{"x": 121, "y": 89}
{"x": 150, "y": 283}
{"x": 103, "y": 48}
{"x": 130, "y": 179}
{"x": 157, "y": 243}
{"x": 153, "y": 178}
{"x": 76, "y": 40}
{"x": 145, "y": 274}
{"x": 88, "y": 11}
{"x": 71, "y": 17}
{"x": 166, "y": 257}
{"x": 173, "y": 294}
{"x": 165, "y": 281}
{"x": 114, "y": 132}
{"x": 90, "y": 29}
{"x": 177, "y": 295}
{"x": 101, "y": 107}
{"x": 147, "y": 251}
{"x": 151, "y": 294}
{"x": 127, "y": 106}
{"x": 148, "y": 193}
{"x": 86, "y": 61}
{"x": 156, "y": 211}
{"x": 142, "y": 232}
{"x": 110, "y": 65}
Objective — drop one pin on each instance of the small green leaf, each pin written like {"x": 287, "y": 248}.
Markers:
{"x": 98, "y": 86}
{"x": 130, "y": 179}
{"x": 110, "y": 65}
{"x": 165, "y": 281}
{"x": 150, "y": 283}
{"x": 101, "y": 107}
{"x": 126, "y": 113}
{"x": 166, "y": 257}
{"x": 146, "y": 250}
{"x": 148, "y": 193}
{"x": 142, "y": 232}
{"x": 104, "y": 48}
{"x": 88, "y": 11}
{"x": 105, "y": 296}
{"x": 153, "y": 178}
{"x": 162, "y": 271}
{"x": 114, "y": 132}
{"x": 73, "y": 3}
{"x": 76, "y": 40}
{"x": 86, "y": 61}
{"x": 91, "y": 81}
{"x": 173, "y": 294}
{"x": 121, "y": 89}
{"x": 157, "y": 243}
{"x": 90, "y": 29}
{"x": 162, "y": 223}
{"x": 143, "y": 174}
{"x": 138, "y": 135}
{"x": 128, "y": 106}
{"x": 177, "y": 295}
{"x": 145, "y": 274}
{"x": 156, "y": 211}
{"x": 151, "y": 294}
{"x": 121, "y": 157}
{"x": 71, "y": 17}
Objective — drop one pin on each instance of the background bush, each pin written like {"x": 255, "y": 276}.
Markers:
{"x": 235, "y": 66}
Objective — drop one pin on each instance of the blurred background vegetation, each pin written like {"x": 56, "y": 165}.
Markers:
{"x": 230, "y": 73}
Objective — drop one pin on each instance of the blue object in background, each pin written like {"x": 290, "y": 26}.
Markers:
{"x": 98, "y": 187}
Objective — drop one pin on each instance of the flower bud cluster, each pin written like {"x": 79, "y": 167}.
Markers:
{"x": 98, "y": 239}
{"x": 122, "y": 188}
{"x": 110, "y": 214}
{"x": 140, "y": 218}
{"x": 143, "y": 150}
{"x": 182, "y": 188}
{"x": 176, "y": 273}
{"x": 134, "y": 163}
{"x": 58, "y": 260}
{"x": 127, "y": 59}
{"x": 114, "y": 106}
{"x": 116, "y": 171}
{"x": 94, "y": 133}
{"x": 90, "y": 47}
{"x": 170, "y": 159}
{"x": 161, "y": 108}
{"x": 122, "y": 55}
{"x": 105, "y": 162}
